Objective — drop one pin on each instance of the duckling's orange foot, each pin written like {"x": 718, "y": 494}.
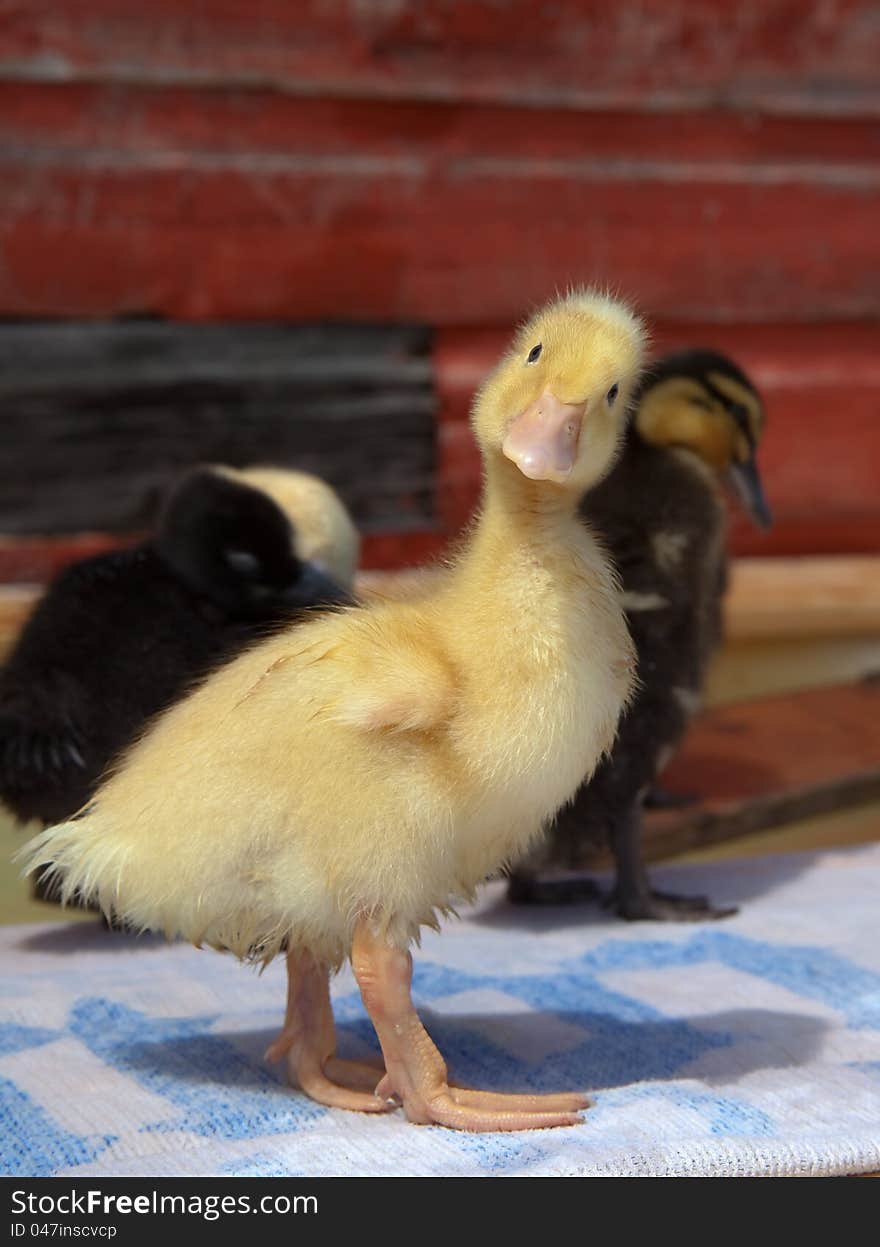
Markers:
{"x": 338, "y": 1083}
{"x": 416, "y": 1077}
{"x": 308, "y": 1042}
{"x": 461, "y": 1108}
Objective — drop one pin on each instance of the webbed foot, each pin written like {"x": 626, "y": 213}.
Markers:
{"x": 417, "y": 1078}
{"x": 651, "y": 906}
{"x": 308, "y": 1043}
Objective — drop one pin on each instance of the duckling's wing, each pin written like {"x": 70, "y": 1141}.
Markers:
{"x": 376, "y": 678}
{"x": 416, "y": 694}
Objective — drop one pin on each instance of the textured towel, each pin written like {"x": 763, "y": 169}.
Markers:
{"x": 750, "y": 1046}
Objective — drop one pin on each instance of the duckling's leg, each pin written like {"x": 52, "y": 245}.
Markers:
{"x": 659, "y": 798}
{"x": 416, "y": 1076}
{"x": 525, "y": 888}
{"x": 308, "y": 1040}
{"x": 633, "y": 896}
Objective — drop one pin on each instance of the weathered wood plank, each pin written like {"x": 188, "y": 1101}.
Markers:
{"x": 769, "y": 599}
{"x": 809, "y": 55}
{"x": 94, "y": 356}
{"x": 36, "y": 560}
{"x": 756, "y": 765}
{"x": 760, "y": 764}
{"x": 821, "y": 451}
{"x": 245, "y": 393}
{"x": 16, "y": 603}
{"x": 207, "y": 206}
{"x": 96, "y": 418}
{"x": 803, "y": 597}
{"x": 164, "y": 127}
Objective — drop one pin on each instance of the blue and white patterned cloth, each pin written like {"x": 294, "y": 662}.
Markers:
{"x": 750, "y": 1046}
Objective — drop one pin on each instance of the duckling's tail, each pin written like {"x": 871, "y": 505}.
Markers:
{"x": 78, "y": 858}
{"x": 128, "y": 877}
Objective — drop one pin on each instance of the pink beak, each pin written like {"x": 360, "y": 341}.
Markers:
{"x": 543, "y": 440}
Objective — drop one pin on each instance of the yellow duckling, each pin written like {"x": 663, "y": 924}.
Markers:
{"x": 344, "y": 783}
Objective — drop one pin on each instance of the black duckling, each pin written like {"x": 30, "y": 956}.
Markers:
{"x": 119, "y": 637}
{"x": 697, "y": 423}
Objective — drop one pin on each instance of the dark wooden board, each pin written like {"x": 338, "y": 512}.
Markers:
{"x": 241, "y": 392}
{"x": 257, "y": 205}
{"x": 96, "y": 417}
{"x": 807, "y": 55}
{"x": 760, "y": 764}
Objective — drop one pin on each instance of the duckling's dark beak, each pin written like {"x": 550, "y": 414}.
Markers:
{"x": 314, "y": 587}
{"x": 746, "y": 480}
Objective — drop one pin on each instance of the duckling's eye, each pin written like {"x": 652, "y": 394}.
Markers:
{"x": 242, "y": 562}
{"x": 535, "y": 353}
{"x": 612, "y": 395}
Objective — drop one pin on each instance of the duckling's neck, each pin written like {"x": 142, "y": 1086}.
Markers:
{"x": 520, "y": 517}
{"x": 529, "y": 557}
{"x": 540, "y": 639}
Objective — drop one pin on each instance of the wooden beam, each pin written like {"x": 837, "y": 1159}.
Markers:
{"x": 777, "y": 55}
{"x": 768, "y": 598}
{"x": 247, "y": 205}
{"x": 804, "y": 597}
{"x": 757, "y": 765}
{"x": 16, "y": 603}
{"x": 760, "y": 764}
{"x": 37, "y": 560}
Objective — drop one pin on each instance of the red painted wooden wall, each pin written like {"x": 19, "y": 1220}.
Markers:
{"x": 452, "y": 164}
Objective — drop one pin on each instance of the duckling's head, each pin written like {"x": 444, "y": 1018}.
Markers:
{"x": 556, "y": 404}
{"x": 232, "y": 543}
{"x": 701, "y": 402}
{"x": 324, "y": 533}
